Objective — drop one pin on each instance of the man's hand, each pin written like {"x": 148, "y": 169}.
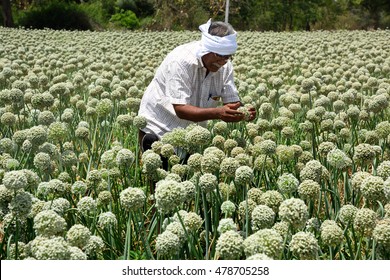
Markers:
{"x": 252, "y": 112}
{"x": 229, "y": 113}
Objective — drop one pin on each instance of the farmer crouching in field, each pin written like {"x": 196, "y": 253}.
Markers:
{"x": 190, "y": 82}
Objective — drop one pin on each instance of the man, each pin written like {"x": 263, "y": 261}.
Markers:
{"x": 189, "y": 83}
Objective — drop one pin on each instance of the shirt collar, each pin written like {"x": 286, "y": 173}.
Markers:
{"x": 200, "y": 62}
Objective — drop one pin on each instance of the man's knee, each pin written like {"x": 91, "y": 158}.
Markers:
{"x": 147, "y": 140}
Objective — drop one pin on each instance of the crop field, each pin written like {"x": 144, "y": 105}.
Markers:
{"x": 309, "y": 178}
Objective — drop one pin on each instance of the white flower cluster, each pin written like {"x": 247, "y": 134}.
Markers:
{"x": 262, "y": 217}
{"x": 294, "y": 211}
{"x": 338, "y": 159}
{"x": 226, "y": 225}
{"x": 230, "y": 245}
{"x": 132, "y": 198}
{"x": 304, "y": 245}
{"x": 287, "y": 183}
{"x": 266, "y": 241}
{"x": 331, "y": 233}
{"x": 168, "y": 195}
{"x": 197, "y": 136}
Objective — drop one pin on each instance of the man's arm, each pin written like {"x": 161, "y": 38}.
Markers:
{"x": 227, "y": 113}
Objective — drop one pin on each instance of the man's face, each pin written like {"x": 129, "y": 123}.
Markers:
{"x": 213, "y": 61}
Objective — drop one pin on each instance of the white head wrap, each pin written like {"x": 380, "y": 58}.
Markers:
{"x": 221, "y": 45}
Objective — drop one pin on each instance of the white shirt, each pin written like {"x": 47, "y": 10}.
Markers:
{"x": 181, "y": 79}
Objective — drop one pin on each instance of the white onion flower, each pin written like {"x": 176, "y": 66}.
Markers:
{"x": 255, "y": 194}
{"x": 189, "y": 189}
{"x": 167, "y": 244}
{"x": 381, "y": 233}
{"x": 372, "y": 188}
{"x": 272, "y": 199}
{"x": 49, "y": 248}
{"x": 365, "y": 221}
{"x": 383, "y": 169}
{"x": 168, "y": 195}
{"x": 107, "y": 220}
{"x": 21, "y": 203}
{"x": 48, "y": 223}
{"x": 87, "y": 206}
{"x": 262, "y": 217}
{"x": 294, "y": 211}
{"x": 177, "y": 229}
{"x": 225, "y": 225}
{"x": 140, "y": 122}
{"x": 309, "y": 189}
{"x": 198, "y": 136}
{"x": 228, "y": 208}
{"x": 192, "y": 221}
{"x": 338, "y": 159}
{"x": 94, "y": 246}
{"x": 331, "y": 233}
{"x": 243, "y": 175}
{"x": 246, "y": 207}
{"x": 77, "y": 254}
{"x": 259, "y": 256}
{"x": 287, "y": 183}
{"x": 59, "y": 205}
{"x": 228, "y": 166}
{"x": 304, "y": 245}
{"x": 124, "y": 158}
{"x": 347, "y": 213}
{"x": 357, "y": 179}
{"x": 266, "y": 241}
{"x": 78, "y": 235}
{"x": 79, "y": 188}
{"x": 15, "y": 180}
{"x": 210, "y": 163}
{"x": 208, "y": 182}
{"x": 132, "y": 198}
{"x": 104, "y": 198}
{"x": 230, "y": 245}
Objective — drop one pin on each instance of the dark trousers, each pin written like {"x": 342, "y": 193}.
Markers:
{"x": 146, "y": 140}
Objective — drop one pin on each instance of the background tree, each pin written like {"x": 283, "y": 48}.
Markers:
{"x": 375, "y": 8}
{"x": 7, "y": 13}
{"x": 260, "y": 15}
{"x": 180, "y": 14}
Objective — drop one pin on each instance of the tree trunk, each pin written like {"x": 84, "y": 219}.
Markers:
{"x": 7, "y": 13}
{"x": 307, "y": 25}
{"x": 376, "y": 18}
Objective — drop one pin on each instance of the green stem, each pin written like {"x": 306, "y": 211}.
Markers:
{"x": 207, "y": 224}
{"x": 143, "y": 236}
{"x": 128, "y": 240}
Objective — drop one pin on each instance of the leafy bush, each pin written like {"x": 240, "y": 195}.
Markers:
{"x": 141, "y": 8}
{"x": 97, "y": 15}
{"x": 385, "y": 21}
{"x": 126, "y": 19}
{"x": 55, "y": 15}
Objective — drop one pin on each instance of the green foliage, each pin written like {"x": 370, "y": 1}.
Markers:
{"x": 180, "y": 15}
{"x": 385, "y": 21}
{"x": 96, "y": 13}
{"x": 141, "y": 8}
{"x": 146, "y": 22}
{"x": 108, "y": 7}
{"x": 261, "y": 15}
{"x": 126, "y": 5}
{"x": 55, "y": 15}
{"x": 126, "y": 19}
